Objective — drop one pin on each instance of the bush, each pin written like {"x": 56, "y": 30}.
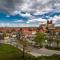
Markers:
{"x": 53, "y": 48}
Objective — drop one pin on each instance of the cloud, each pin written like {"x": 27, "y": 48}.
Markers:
{"x": 56, "y": 18}
{"x": 37, "y": 5}
{"x": 28, "y": 5}
{"x": 18, "y": 25}
{"x": 31, "y": 8}
{"x": 18, "y": 21}
{"x": 43, "y": 12}
{"x": 22, "y": 14}
{"x": 37, "y": 20}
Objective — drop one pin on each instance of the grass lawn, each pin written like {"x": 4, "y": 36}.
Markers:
{"x": 8, "y": 52}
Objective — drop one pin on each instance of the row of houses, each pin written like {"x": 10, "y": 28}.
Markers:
{"x": 28, "y": 31}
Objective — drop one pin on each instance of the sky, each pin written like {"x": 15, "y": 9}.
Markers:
{"x": 32, "y": 13}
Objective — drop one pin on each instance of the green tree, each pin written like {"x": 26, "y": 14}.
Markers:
{"x": 40, "y": 38}
{"x": 19, "y": 34}
{"x": 57, "y": 40}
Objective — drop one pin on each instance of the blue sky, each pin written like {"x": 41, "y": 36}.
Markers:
{"x": 29, "y": 12}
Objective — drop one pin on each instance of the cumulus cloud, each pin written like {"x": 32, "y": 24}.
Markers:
{"x": 18, "y": 25}
{"x": 56, "y": 19}
{"x": 30, "y": 7}
{"x": 39, "y": 20}
{"x": 22, "y": 14}
{"x": 38, "y": 5}
{"x": 19, "y": 21}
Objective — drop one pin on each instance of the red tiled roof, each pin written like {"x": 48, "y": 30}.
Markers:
{"x": 56, "y": 30}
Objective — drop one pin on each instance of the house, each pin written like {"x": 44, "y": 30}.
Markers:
{"x": 57, "y": 27}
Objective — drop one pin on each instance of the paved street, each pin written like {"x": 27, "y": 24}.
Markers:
{"x": 44, "y": 52}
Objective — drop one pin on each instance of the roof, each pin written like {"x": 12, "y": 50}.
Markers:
{"x": 57, "y": 30}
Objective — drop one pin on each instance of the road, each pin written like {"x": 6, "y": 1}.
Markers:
{"x": 31, "y": 50}
{"x": 44, "y": 52}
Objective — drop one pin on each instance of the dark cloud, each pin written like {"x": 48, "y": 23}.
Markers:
{"x": 30, "y": 5}
{"x": 9, "y": 5}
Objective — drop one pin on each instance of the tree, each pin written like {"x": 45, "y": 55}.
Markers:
{"x": 13, "y": 30}
{"x": 57, "y": 40}
{"x": 40, "y": 38}
{"x": 22, "y": 40}
{"x": 19, "y": 34}
{"x": 50, "y": 40}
